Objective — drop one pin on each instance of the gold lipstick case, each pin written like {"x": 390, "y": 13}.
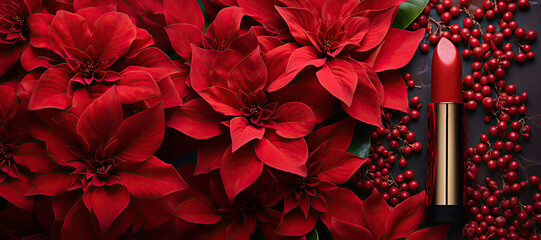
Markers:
{"x": 446, "y": 162}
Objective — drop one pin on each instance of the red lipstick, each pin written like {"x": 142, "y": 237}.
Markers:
{"x": 446, "y": 137}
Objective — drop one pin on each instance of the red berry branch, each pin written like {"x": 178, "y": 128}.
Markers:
{"x": 497, "y": 209}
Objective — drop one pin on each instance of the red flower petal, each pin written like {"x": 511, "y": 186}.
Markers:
{"x": 68, "y": 30}
{"x": 14, "y": 190}
{"x": 242, "y": 161}
{"x": 57, "y": 147}
{"x": 406, "y": 217}
{"x": 300, "y": 22}
{"x": 141, "y": 134}
{"x": 112, "y": 35}
{"x": 398, "y": 49}
{"x": 9, "y": 53}
{"x": 198, "y": 210}
{"x": 343, "y": 205}
{"x": 222, "y": 100}
{"x": 249, "y": 75}
{"x": 295, "y": 223}
{"x": 183, "y": 12}
{"x": 339, "y": 78}
{"x": 78, "y": 223}
{"x": 356, "y": 28}
{"x": 313, "y": 94}
{"x": 136, "y": 86}
{"x": 182, "y": 35}
{"x": 151, "y": 179}
{"x": 430, "y": 233}
{"x": 171, "y": 93}
{"x": 38, "y": 24}
{"x": 238, "y": 229}
{"x": 226, "y": 25}
{"x": 93, "y": 10}
{"x": 108, "y": 202}
{"x": 243, "y": 132}
{"x": 62, "y": 203}
{"x": 338, "y": 136}
{"x": 51, "y": 90}
{"x": 152, "y": 60}
{"x": 365, "y": 106}
{"x": 52, "y": 184}
{"x": 263, "y": 12}
{"x": 368, "y": 5}
{"x": 377, "y": 212}
{"x": 100, "y": 121}
{"x": 380, "y": 22}
{"x": 210, "y": 68}
{"x": 80, "y": 101}
{"x": 302, "y": 57}
{"x": 32, "y": 58}
{"x": 33, "y": 156}
{"x": 276, "y": 61}
{"x": 338, "y": 166}
{"x": 283, "y": 154}
{"x": 197, "y": 119}
{"x": 293, "y": 120}
{"x": 344, "y": 231}
{"x": 210, "y": 154}
{"x": 396, "y": 95}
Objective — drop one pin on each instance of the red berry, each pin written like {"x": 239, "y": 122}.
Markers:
{"x": 479, "y": 13}
{"x": 471, "y": 105}
{"x": 520, "y": 33}
{"x": 455, "y": 11}
{"x": 521, "y": 57}
{"x": 425, "y": 48}
{"x": 534, "y": 180}
{"x": 487, "y": 4}
{"x": 402, "y": 162}
{"x": 531, "y": 35}
{"x": 446, "y": 17}
{"x": 413, "y": 186}
{"x": 523, "y": 4}
{"x": 414, "y": 114}
{"x": 410, "y": 84}
{"x": 508, "y": 17}
{"x": 466, "y": 53}
{"x": 433, "y": 38}
{"x": 408, "y": 174}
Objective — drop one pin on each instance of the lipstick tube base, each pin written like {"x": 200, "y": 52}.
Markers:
{"x": 446, "y": 162}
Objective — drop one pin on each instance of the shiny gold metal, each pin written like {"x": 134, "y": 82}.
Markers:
{"x": 446, "y": 154}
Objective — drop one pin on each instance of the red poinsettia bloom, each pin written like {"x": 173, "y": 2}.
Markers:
{"x": 186, "y": 26}
{"x": 217, "y": 218}
{"x": 349, "y": 42}
{"x": 317, "y": 195}
{"x": 18, "y": 153}
{"x": 92, "y": 50}
{"x": 383, "y": 222}
{"x": 14, "y": 30}
{"x": 110, "y": 159}
{"x": 262, "y": 129}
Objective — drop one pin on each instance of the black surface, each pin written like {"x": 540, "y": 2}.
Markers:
{"x": 527, "y": 77}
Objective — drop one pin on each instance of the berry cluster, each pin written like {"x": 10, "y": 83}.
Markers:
{"x": 390, "y": 144}
{"x": 496, "y": 210}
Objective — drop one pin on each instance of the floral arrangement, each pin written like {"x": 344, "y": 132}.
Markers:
{"x": 223, "y": 119}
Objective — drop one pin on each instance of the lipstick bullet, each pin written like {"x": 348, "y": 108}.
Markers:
{"x": 446, "y": 137}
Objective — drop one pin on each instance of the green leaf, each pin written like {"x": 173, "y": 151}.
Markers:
{"x": 200, "y": 2}
{"x": 408, "y": 11}
{"x": 312, "y": 235}
{"x": 360, "y": 145}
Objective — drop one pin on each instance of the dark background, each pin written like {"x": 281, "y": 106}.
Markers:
{"x": 527, "y": 78}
